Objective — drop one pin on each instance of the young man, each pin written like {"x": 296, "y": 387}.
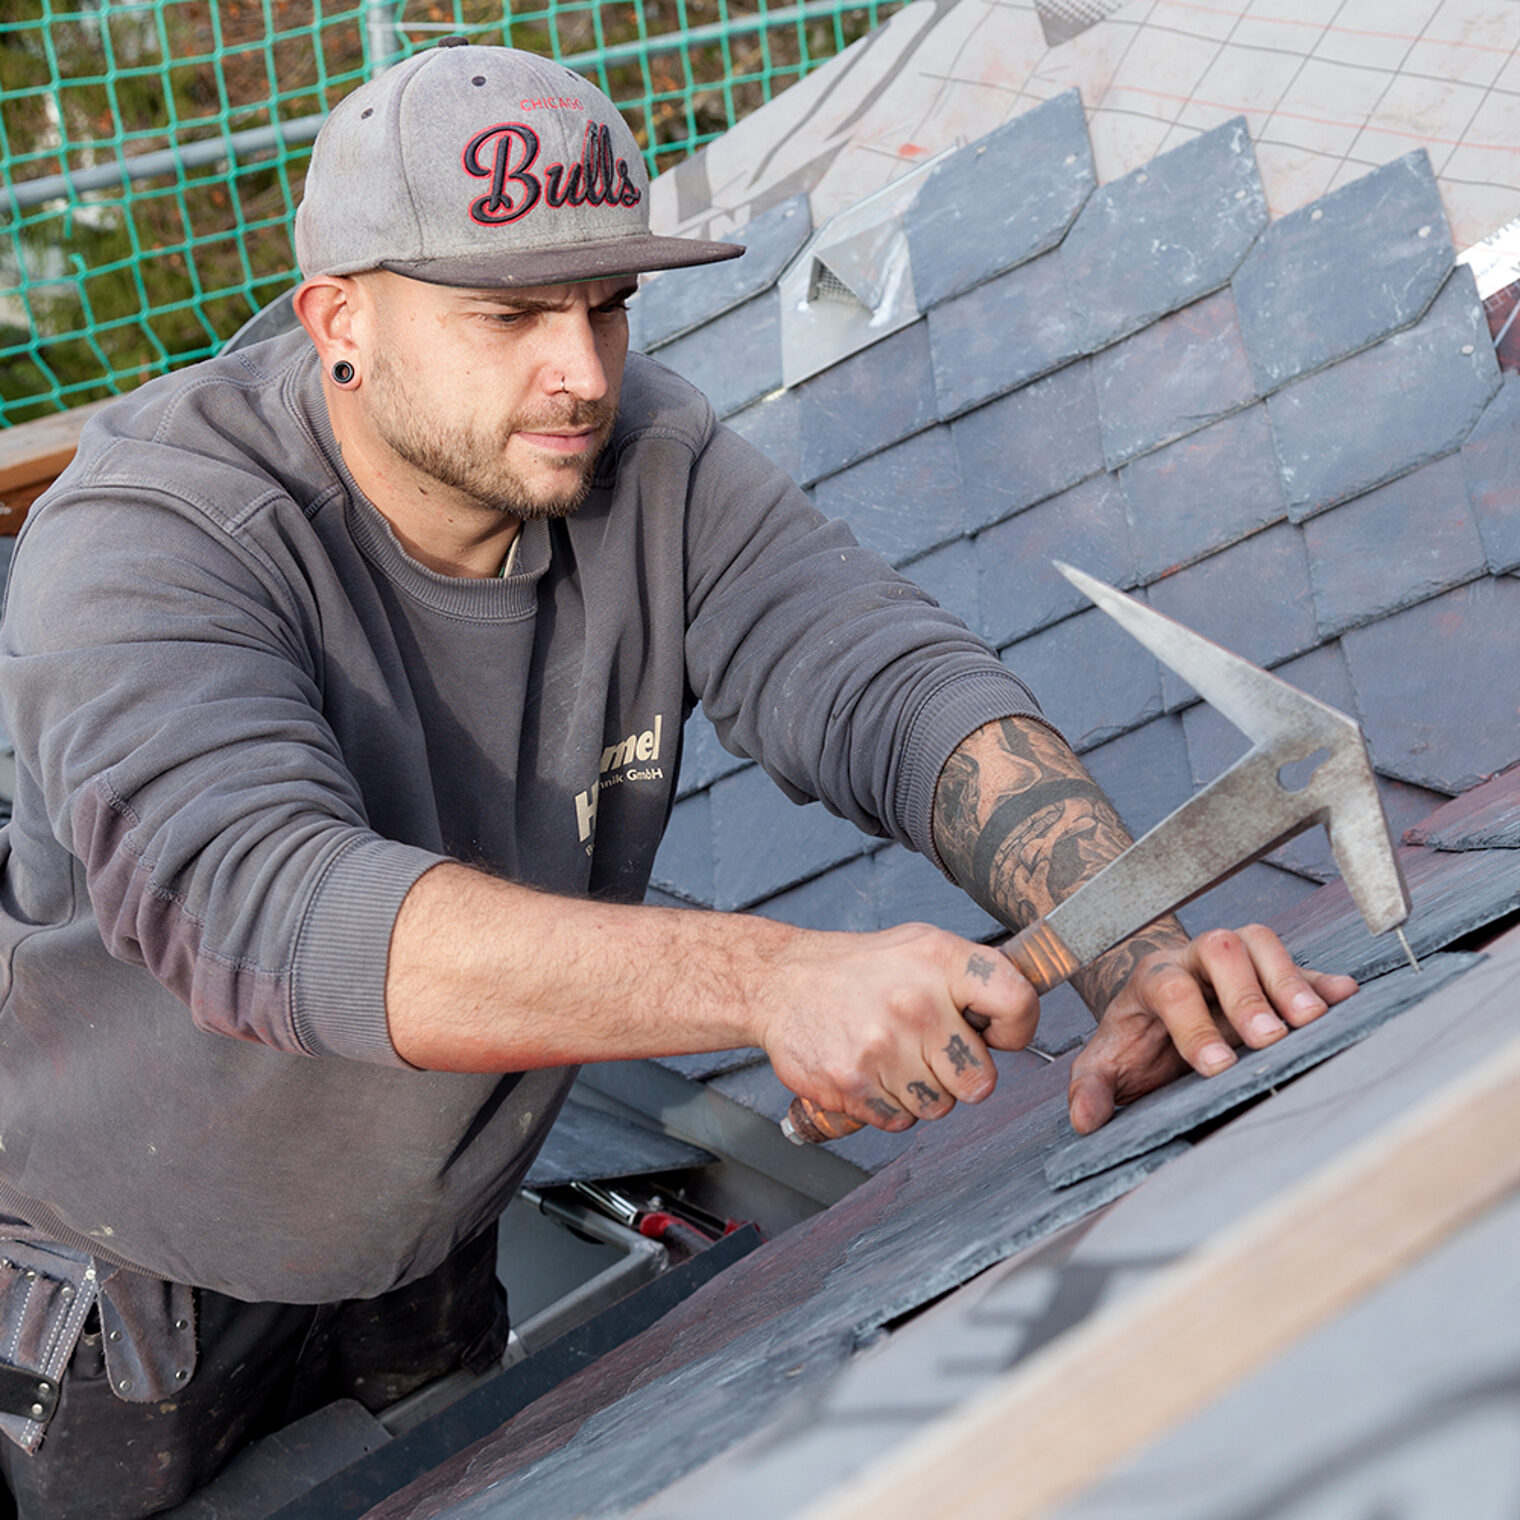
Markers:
{"x": 346, "y": 676}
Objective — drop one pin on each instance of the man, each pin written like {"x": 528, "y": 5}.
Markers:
{"x": 327, "y": 845}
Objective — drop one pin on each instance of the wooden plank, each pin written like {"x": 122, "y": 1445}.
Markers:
{"x": 33, "y": 455}
{"x": 1077, "y": 1409}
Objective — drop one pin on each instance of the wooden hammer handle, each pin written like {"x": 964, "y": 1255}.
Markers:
{"x": 1037, "y": 951}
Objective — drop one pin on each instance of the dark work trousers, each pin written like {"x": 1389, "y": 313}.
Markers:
{"x": 260, "y": 1366}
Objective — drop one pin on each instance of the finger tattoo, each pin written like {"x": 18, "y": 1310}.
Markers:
{"x": 962, "y": 1057}
{"x": 926, "y": 1095}
{"x": 981, "y": 968}
{"x": 882, "y": 1109}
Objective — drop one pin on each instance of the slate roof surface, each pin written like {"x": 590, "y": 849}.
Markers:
{"x": 1318, "y": 558}
{"x": 1293, "y": 435}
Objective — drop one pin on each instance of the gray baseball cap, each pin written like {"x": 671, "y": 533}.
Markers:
{"x": 482, "y": 167}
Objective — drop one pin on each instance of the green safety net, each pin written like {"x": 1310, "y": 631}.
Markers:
{"x": 152, "y": 151}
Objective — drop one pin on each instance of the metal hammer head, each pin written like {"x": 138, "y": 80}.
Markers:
{"x": 1309, "y": 765}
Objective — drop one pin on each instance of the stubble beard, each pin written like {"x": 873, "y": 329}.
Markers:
{"x": 472, "y": 460}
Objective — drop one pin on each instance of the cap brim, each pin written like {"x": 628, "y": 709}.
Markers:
{"x": 567, "y": 263}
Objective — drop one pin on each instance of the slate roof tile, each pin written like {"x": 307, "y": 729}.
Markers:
{"x": 1253, "y": 598}
{"x": 1000, "y": 200}
{"x": 683, "y": 867}
{"x": 1394, "y": 546}
{"x": 903, "y": 501}
{"x": 1491, "y": 460}
{"x": 866, "y": 402}
{"x": 774, "y": 426}
{"x": 1203, "y": 492}
{"x": 1337, "y": 275}
{"x": 1486, "y": 818}
{"x": 1018, "y": 587}
{"x": 911, "y": 889}
{"x": 683, "y": 299}
{"x": 1409, "y": 399}
{"x": 1260, "y": 892}
{"x": 1029, "y": 445}
{"x": 1438, "y": 685}
{"x": 735, "y": 358}
{"x": 703, "y": 758}
{"x": 763, "y": 843}
{"x": 1164, "y": 234}
{"x": 1171, "y": 378}
{"x": 841, "y": 898}
{"x": 1090, "y": 678}
{"x": 1003, "y": 334}
{"x": 1145, "y": 772}
{"x": 949, "y": 575}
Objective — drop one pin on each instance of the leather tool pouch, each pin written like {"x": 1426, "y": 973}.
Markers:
{"x": 44, "y": 1301}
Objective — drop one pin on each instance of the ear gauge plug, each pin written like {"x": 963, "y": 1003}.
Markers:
{"x": 343, "y": 372}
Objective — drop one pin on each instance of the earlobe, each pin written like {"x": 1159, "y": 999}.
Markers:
{"x": 325, "y": 307}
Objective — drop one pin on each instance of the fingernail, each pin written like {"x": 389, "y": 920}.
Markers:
{"x": 1265, "y": 1026}
{"x": 1307, "y": 1003}
{"x": 1215, "y": 1057}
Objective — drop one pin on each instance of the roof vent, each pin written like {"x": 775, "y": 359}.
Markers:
{"x": 852, "y": 284}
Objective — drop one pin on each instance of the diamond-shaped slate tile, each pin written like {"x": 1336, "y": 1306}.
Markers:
{"x": 1090, "y": 678}
{"x": 1486, "y": 818}
{"x": 703, "y": 758}
{"x": 1261, "y": 893}
{"x": 682, "y": 299}
{"x": 774, "y": 426}
{"x": 1191, "y": 1100}
{"x": 1030, "y": 445}
{"x": 1394, "y": 546}
{"x": 764, "y": 843}
{"x": 910, "y": 889}
{"x": 1002, "y": 335}
{"x": 1001, "y": 200}
{"x": 1253, "y": 598}
{"x": 949, "y": 575}
{"x": 1337, "y": 275}
{"x": 712, "y": 1063}
{"x": 841, "y": 898}
{"x": 1438, "y": 685}
{"x": 1171, "y": 378}
{"x": 1019, "y": 589}
{"x": 1491, "y": 460}
{"x": 735, "y": 358}
{"x": 868, "y": 401}
{"x": 1203, "y": 492}
{"x": 903, "y": 501}
{"x": 1453, "y": 893}
{"x": 1371, "y": 417}
{"x": 684, "y": 865}
{"x": 1165, "y": 234}
{"x": 1145, "y": 772}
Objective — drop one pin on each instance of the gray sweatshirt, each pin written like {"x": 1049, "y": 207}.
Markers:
{"x": 246, "y": 722}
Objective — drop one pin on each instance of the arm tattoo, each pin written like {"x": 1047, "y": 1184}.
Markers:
{"x": 1021, "y": 825}
{"x": 926, "y": 1095}
{"x": 962, "y": 1057}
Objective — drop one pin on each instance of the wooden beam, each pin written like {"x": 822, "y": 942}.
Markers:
{"x": 1076, "y": 1409}
{"x": 33, "y": 455}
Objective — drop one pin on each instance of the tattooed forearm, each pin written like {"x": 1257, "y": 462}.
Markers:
{"x": 1021, "y": 825}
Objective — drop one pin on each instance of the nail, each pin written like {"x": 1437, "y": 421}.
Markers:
{"x": 1266, "y": 1026}
{"x": 1214, "y": 1057}
{"x": 1308, "y": 1003}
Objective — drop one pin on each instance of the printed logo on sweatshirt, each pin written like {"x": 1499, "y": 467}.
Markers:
{"x": 635, "y": 758}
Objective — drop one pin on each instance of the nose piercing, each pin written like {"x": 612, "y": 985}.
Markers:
{"x": 343, "y": 372}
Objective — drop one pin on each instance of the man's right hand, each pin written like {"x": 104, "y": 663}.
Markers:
{"x": 875, "y": 1025}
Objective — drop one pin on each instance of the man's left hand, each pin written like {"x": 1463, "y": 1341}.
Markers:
{"x": 1186, "y": 1006}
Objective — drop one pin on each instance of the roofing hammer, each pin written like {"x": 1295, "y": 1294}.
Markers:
{"x": 1262, "y": 800}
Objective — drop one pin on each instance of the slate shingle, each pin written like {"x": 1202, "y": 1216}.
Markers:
{"x": 1203, "y": 492}
{"x": 735, "y": 358}
{"x": 1438, "y": 685}
{"x": 1260, "y": 892}
{"x": 909, "y": 889}
{"x": 1337, "y": 275}
{"x": 1171, "y": 378}
{"x": 1165, "y": 234}
{"x": 703, "y": 758}
{"x": 1145, "y": 772}
{"x": 1253, "y": 598}
{"x": 1018, "y": 587}
{"x": 763, "y": 843}
{"x": 682, "y": 299}
{"x": 1000, "y": 200}
{"x": 1392, "y": 547}
{"x": 1491, "y": 460}
{"x": 1370, "y": 418}
{"x": 1030, "y": 445}
{"x": 1002, "y": 335}
{"x": 1091, "y": 679}
{"x": 684, "y": 865}
{"x": 866, "y": 402}
{"x": 774, "y": 426}
{"x": 841, "y": 898}
{"x": 903, "y": 501}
